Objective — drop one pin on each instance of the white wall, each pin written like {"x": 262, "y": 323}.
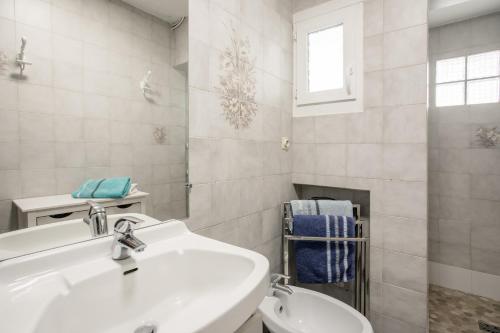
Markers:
{"x": 240, "y": 176}
{"x": 383, "y": 150}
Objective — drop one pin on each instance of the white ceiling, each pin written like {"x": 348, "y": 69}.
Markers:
{"x": 448, "y": 11}
{"x": 167, "y": 10}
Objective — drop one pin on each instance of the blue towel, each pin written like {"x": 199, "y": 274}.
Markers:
{"x": 324, "y": 262}
{"x": 117, "y": 187}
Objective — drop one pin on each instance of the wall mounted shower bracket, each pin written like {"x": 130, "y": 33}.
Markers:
{"x": 20, "y": 59}
{"x": 144, "y": 84}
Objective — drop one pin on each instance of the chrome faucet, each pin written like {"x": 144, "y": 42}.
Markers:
{"x": 275, "y": 285}
{"x": 96, "y": 219}
{"x": 125, "y": 240}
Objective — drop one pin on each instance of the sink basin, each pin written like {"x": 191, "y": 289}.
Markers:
{"x": 182, "y": 282}
{"x": 25, "y": 241}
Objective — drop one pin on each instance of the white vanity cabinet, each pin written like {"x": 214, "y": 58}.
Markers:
{"x": 57, "y": 208}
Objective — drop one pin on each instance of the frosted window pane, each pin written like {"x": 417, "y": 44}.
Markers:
{"x": 326, "y": 59}
{"x": 483, "y": 91}
{"x": 483, "y": 65}
{"x": 449, "y": 94}
{"x": 449, "y": 70}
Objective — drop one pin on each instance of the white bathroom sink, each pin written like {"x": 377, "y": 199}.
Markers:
{"x": 182, "y": 282}
{"x": 307, "y": 311}
{"x": 49, "y": 236}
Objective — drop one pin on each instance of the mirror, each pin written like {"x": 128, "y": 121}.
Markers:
{"x": 464, "y": 170}
{"x": 90, "y": 90}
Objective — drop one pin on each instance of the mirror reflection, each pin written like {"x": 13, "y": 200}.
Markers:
{"x": 93, "y": 105}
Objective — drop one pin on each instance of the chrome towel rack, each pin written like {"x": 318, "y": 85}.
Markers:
{"x": 361, "y": 280}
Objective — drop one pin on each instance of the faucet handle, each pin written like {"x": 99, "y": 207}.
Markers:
{"x": 124, "y": 224}
{"x": 275, "y": 277}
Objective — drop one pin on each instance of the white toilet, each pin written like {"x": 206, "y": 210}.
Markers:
{"x": 307, "y": 311}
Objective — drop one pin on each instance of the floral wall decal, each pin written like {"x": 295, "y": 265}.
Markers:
{"x": 488, "y": 137}
{"x": 237, "y": 83}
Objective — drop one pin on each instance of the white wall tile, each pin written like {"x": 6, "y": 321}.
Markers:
{"x": 404, "y": 13}
{"x": 405, "y": 271}
{"x": 405, "y": 47}
{"x": 405, "y": 162}
{"x": 33, "y": 12}
{"x": 406, "y": 85}
{"x": 405, "y": 124}
{"x": 9, "y": 156}
{"x": 364, "y": 160}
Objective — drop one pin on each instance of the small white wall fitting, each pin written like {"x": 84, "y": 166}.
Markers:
{"x": 145, "y": 85}
{"x": 20, "y": 58}
{"x": 285, "y": 143}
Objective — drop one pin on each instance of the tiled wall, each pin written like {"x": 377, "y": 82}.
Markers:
{"x": 383, "y": 150}
{"x": 240, "y": 176}
{"x": 80, "y": 112}
{"x": 464, "y": 177}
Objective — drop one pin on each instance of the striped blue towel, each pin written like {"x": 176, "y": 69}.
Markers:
{"x": 329, "y": 261}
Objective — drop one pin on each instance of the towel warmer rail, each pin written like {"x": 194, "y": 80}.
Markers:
{"x": 361, "y": 279}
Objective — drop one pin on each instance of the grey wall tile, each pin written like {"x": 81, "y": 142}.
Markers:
{"x": 405, "y": 271}
{"x": 406, "y": 305}
{"x": 405, "y": 124}
{"x": 405, "y": 47}
{"x": 406, "y": 85}
{"x": 404, "y": 13}
{"x": 405, "y": 161}
{"x": 364, "y": 160}
{"x": 330, "y": 159}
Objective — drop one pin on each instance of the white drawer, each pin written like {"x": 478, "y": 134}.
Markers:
{"x": 124, "y": 209}
{"x": 41, "y": 220}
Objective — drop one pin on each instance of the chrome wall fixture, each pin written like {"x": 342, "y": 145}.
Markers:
{"x": 3, "y": 62}
{"x": 20, "y": 58}
{"x": 145, "y": 85}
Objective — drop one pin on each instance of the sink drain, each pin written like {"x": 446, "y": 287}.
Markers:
{"x": 149, "y": 328}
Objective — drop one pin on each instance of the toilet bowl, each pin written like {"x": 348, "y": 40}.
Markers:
{"x": 307, "y": 311}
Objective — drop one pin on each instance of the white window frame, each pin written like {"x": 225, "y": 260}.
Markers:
{"x": 465, "y": 80}
{"x": 349, "y": 14}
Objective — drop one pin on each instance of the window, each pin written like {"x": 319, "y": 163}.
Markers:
{"x": 326, "y": 59}
{"x": 328, "y": 56}
{"x": 473, "y": 79}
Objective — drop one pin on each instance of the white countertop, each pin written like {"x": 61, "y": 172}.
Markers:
{"x": 64, "y": 200}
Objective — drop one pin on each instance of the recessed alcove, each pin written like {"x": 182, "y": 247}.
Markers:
{"x": 342, "y": 291}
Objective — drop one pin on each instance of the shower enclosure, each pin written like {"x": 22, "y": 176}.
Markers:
{"x": 464, "y": 167}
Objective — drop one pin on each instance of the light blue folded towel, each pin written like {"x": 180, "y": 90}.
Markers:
{"x": 322, "y": 207}
{"x": 335, "y": 207}
{"x": 116, "y": 187}
{"x": 304, "y": 207}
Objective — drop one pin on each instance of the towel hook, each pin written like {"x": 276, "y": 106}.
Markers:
{"x": 20, "y": 58}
